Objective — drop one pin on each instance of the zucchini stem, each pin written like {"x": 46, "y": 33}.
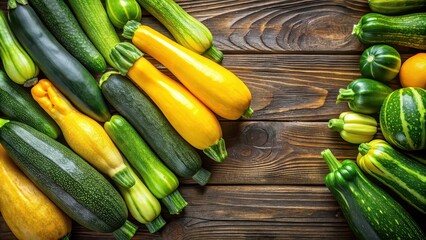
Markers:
{"x": 130, "y": 28}
{"x": 12, "y": 4}
{"x": 363, "y": 148}
{"x": 336, "y": 124}
{"x": 126, "y": 232}
{"x": 345, "y": 95}
{"x": 202, "y": 176}
{"x": 331, "y": 160}
{"x": 217, "y": 152}
{"x": 174, "y": 202}
{"x": 156, "y": 224}
{"x": 247, "y": 114}
{"x": 124, "y": 55}
{"x": 214, "y": 54}
{"x": 124, "y": 178}
{"x": 31, "y": 82}
{"x": 106, "y": 76}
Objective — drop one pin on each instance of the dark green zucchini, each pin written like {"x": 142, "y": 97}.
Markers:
{"x": 405, "y": 30}
{"x": 370, "y": 211}
{"x": 396, "y": 7}
{"x": 153, "y": 127}
{"x": 364, "y": 95}
{"x": 59, "y": 66}
{"x": 68, "y": 180}
{"x": 380, "y": 62}
{"x": 17, "y": 104}
{"x": 61, "y": 22}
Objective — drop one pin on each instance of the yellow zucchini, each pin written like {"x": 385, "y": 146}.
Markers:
{"x": 26, "y": 210}
{"x": 83, "y": 134}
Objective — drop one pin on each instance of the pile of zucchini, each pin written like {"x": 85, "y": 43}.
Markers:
{"x": 398, "y": 160}
{"x": 101, "y": 148}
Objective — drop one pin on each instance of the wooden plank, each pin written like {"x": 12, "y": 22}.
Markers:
{"x": 276, "y": 153}
{"x": 225, "y": 212}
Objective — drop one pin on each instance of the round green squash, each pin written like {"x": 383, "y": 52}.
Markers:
{"x": 121, "y": 11}
{"x": 402, "y": 118}
{"x": 380, "y": 62}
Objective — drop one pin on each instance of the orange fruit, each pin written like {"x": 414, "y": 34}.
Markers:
{"x": 413, "y": 71}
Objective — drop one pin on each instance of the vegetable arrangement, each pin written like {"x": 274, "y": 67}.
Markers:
{"x": 54, "y": 132}
{"x": 398, "y": 160}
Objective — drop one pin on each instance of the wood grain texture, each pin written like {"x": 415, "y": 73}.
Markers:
{"x": 294, "y": 55}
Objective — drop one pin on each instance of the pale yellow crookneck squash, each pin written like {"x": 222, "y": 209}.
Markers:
{"x": 28, "y": 213}
{"x": 188, "y": 116}
{"x": 217, "y": 87}
{"x": 83, "y": 134}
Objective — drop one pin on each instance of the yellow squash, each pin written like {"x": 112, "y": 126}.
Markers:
{"x": 26, "y": 210}
{"x": 83, "y": 134}
{"x": 217, "y": 87}
{"x": 190, "y": 117}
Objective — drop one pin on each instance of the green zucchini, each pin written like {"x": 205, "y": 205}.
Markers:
{"x": 61, "y": 22}
{"x": 157, "y": 177}
{"x": 17, "y": 63}
{"x": 142, "y": 204}
{"x": 354, "y": 127}
{"x": 187, "y": 30}
{"x": 153, "y": 127}
{"x": 121, "y": 11}
{"x": 68, "y": 180}
{"x": 94, "y": 20}
{"x": 380, "y": 62}
{"x": 402, "y": 118}
{"x": 370, "y": 212}
{"x": 407, "y": 30}
{"x": 17, "y": 104}
{"x": 404, "y": 175}
{"x": 59, "y": 66}
{"x": 396, "y": 7}
{"x": 364, "y": 95}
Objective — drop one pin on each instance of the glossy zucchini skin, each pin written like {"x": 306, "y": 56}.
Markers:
{"x": 61, "y": 22}
{"x": 380, "y": 62}
{"x": 59, "y": 66}
{"x": 370, "y": 211}
{"x": 152, "y": 126}
{"x": 396, "y": 7}
{"x": 16, "y": 62}
{"x": 121, "y": 11}
{"x": 402, "y": 118}
{"x": 402, "y": 174}
{"x": 407, "y": 30}
{"x": 17, "y": 104}
{"x": 68, "y": 180}
{"x": 364, "y": 95}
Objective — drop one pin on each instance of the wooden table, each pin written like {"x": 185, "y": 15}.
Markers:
{"x": 294, "y": 55}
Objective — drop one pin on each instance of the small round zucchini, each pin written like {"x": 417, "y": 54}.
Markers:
{"x": 380, "y": 62}
{"x": 121, "y": 11}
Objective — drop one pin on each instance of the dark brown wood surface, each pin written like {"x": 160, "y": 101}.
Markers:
{"x": 294, "y": 55}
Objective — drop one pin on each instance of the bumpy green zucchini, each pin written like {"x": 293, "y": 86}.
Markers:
{"x": 60, "y": 21}
{"x": 68, "y": 180}
{"x": 402, "y": 118}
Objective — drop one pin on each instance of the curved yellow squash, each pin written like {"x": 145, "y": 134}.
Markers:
{"x": 26, "y": 210}
{"x": 83, "y": 134}
{"x": 217, "y": 87}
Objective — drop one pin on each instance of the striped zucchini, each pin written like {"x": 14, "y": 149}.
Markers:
{"x": 407, "y": 30}
{"x": 404, "y": 175}
{"x": 121, "y": 11}
{"x": 17, "y": 63}
{"x": 380, "y": 62}
{"x": 402, "y": 118}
